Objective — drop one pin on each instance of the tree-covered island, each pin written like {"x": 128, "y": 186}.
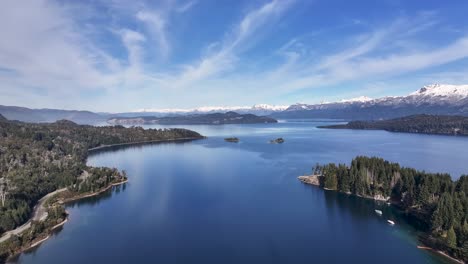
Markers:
{"x": 421, "y": 124}
{"x": 437, "y": 205}
{"x": 41, "y": 159}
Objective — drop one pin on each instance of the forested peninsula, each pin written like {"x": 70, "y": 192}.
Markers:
{"x": 39, "y": 159}
{"x": 424, "y": 124}
{"x": 436, "y": 205}
{"x": 194, "y": 119}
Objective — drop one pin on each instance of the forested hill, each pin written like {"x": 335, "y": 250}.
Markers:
{"x": 427, "y": 124}
{"x": 50, "y": 115}
{"x": 36, "y": 159}
{"x": 207, "y": 119}
{"x": 439, "y": 204}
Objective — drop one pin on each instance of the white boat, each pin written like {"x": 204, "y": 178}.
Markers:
{"x": 378, "y": 212}
{"x": 391, "y": 222}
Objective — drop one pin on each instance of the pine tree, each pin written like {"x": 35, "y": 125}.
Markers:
{"x": 331, "y": 180}
{"x": 451, "y": 238}
{"x": 442, "y": 217}
{"x": 465, "y": 249}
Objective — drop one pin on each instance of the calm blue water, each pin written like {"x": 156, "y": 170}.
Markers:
{"x": 209, "y": 201}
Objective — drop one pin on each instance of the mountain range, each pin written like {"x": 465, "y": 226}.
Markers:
{"x": 49, "y": 115}
{"x": 436, "y": 99}
{"x": 258, "y": 109}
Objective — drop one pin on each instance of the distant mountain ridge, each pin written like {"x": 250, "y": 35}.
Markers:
{"x": 201, "y": 119}
{"x": 258, "y": 109}
{"x": 49, "y": 115}
{"x": 436, "y": 99}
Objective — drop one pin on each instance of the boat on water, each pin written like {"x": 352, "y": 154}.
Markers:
{"x": 378, "y": 212}
{"x": 391, "y": 222}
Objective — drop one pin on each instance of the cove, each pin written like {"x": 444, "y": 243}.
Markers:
{"x": 211, "y": 201}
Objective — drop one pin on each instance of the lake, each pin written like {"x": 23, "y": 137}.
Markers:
{"x": 211, "y": 201}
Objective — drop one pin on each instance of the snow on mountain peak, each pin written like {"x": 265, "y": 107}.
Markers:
{"x": 269, "y": 107}
{"x": 209, "y": 109}
{"x": 360, "y": 99}
{"x": 442, "y": 90}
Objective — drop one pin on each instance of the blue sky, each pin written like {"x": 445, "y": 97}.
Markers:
{"x": 125, "y": 55}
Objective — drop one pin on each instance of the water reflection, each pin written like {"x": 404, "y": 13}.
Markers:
{"x": 210, "y": 201}
{"x": 97, "y": 199}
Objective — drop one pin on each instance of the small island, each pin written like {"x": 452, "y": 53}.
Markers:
{"x": 231, "y": 139}
{"x": 277, "y": 141}
{"x": 43, "y": 166}
{"x": 423, "y": 124}
{"x": 435, "y": 205}
{"x": 202, "y": 119}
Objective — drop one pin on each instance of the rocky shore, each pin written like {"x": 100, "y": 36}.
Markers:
{"x": 311, "y": 179}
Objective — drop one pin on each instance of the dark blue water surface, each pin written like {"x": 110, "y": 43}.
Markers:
{"x": 210, "y": 201}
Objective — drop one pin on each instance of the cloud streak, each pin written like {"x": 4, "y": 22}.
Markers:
{"x": 237, "y": 41}
{"x": 186, "y": 6}
{"x": 157, "y": 25}
{"x": 129, "y": 52}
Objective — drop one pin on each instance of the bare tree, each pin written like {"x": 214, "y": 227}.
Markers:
{"x": 3, "y": 190}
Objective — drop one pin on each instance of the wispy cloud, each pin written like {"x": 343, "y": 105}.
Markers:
{"x": 234, "y": 43}
{"x": 186, "y": 6}
{"x": 128, "y": 50}
{"x": 43, "y": 49}
{"x": 156, "y": 24}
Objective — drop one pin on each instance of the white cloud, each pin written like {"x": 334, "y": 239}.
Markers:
{"x": 186, "y": 6}
{"x": 132, "y": 39}
{"x": 54, "y": 52}
{"x": 400, "y": 63}
{"x": 242, "y": 34}
{"x": 156, "y": 24}
{"x": 41, "y": 46}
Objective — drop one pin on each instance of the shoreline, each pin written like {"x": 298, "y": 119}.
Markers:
{"x": 96, "y": 193}
{"x": 391, "y": 131}
{"x": 20, "y": 229}
{"x": 441, "y": 253}
{"x": 314, "y": 181}
{"x": 40, "y": 241}
{"x": 37, "y": 243}
{"x": 72, "y": 199}
{"x": 46, "y": 197}
{"x": 143, "y": 143}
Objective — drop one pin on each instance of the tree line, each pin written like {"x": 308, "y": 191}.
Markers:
{"x": 439, "y": 203}
{"x": 36, "y": 159}
{"x": 426, "y": 124}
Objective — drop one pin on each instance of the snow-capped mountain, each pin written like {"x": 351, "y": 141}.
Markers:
{"x": 441, "y": 99}
{"x": 442, "y": 90}
{"x": 266, "y": 107}
{"x": 431, "y": 99}
{"x": 434, "y": 94}
{"x": 360, "y": 99}
{"x": 258, "y": 109}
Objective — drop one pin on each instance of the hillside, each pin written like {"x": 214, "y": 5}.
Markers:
{"x": 49, "y": 115}
{"x": 437, "y": 205}
{"x": 207, "y": 119}
{"x": 426, "y": 124}
{"x": 36, "y": 159}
